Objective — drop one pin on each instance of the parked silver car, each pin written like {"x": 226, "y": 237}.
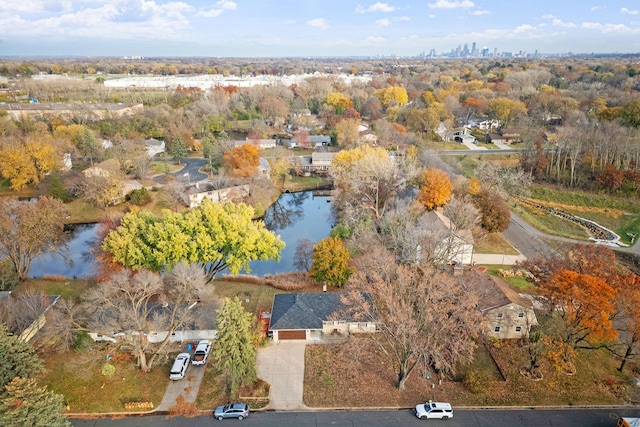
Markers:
{"x": 201, "y": 354}
{"x": 232, "y": 410}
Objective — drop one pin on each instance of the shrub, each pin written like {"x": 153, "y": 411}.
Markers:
{"x": 139, "y": 197}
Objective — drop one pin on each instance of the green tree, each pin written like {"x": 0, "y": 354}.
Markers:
{"x": 630, "y": 114}
{"x": 24, "y": 404}
{"x": 214, "y": 235}
{"x": 234, "y": 349}
{"x": 331, "y": 262}
{"x": 29, "y": 229}
{"x": 17, "y": 359}
{"x": 177, "y": 150}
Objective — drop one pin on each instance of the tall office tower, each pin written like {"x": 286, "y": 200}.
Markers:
{"x": 474, "y": 52}
{"x": 485, "y": 52}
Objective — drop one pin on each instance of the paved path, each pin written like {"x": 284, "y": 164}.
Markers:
{"x": 282, "y": 366}
{"x": 187, "y": 387}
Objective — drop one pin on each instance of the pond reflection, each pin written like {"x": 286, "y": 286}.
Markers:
{"x": 293, "y": 216}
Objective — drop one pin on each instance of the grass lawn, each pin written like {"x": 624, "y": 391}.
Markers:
{"x": 67, "y": 289}
{"x": 258, "y": 296}
{"x": 359, "y": 374}
{"x": 519, "y": 282}
{"x": 493, "y": 243}
{"x": 77, "y": 376}
{"x": 550, "y": 224}
{"x": 213, "y": 393}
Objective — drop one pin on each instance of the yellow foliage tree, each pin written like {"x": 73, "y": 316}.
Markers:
{"x": 393, "y": 95}
{"x": 506, "y": 110}
{"x": 435, "y": 188}
{"x": 347, "y": 132}
{"x": 331, "y": 262}
{"x": 27, "y": 164}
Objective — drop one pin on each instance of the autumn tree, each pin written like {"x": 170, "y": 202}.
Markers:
{"x": 242, "y": 161}
{"x": 627, "y": 322}
{"x": 347, "y": 132}
{"x": 426, "y": 319}
{"x": 139, "y": 303}
{"x": 331, "y": 262}
{"x": 29, "y": 229}
{"x": 506, "y": 110}
{"x": 366, "y": 179}
{"x": 494, "y": 211}
{"x": 435, "y": 188}
{"x": 28, "y": 163}
{"x": 393, "y": 96}
{"x": 583, "y": 304}
{"x": 214, "y": 235}
{"x": 234, "y": 349}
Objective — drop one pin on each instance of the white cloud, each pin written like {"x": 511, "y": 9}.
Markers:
{"x": 431, "y": 16}
{"x": 383, "y": 23}
{"x": 451, "y": 4}
{"x": 219, "y": 9}
{"x": 525, "y": 28}
{"x": 549, "y": 16}
{"x": 480, "y": 12}
{"x": 560, "y": 23}
{"x": 319, "y": 23}
{"x": 372, "y": 40}
{"x": 610, "y": 28}
{"x": 376, "y": 7}
{"x": 628, "y": 11}
{"x": 596, "y": 8}
{"x": 402, "y": 18}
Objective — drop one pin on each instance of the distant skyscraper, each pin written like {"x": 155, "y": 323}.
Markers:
{"x": 474, "y": 52}
{"x": 485, "y": 52}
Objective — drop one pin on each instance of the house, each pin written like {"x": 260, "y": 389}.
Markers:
{"x": 317, "y": 162}
{"x": 505, "y": 314}
{"x": 369, "y": 139}
{"x": 493, "y": 138}
{"x": 33, "y": 310}
{"x": 311, "y": 317}
{"x": 154, "y": 146}
{"x": 463, "y": 136}
{"x": 104, "y": 169}
{"x": 452, "y": 247}
{"x": 260, "y": 143}
{"x": 313, "y": 141}
{"x": 264, "y": 168}
{"x": 207, "y": 190}
{"x": 204, "y": 327}
{"x": 510, "y": 135}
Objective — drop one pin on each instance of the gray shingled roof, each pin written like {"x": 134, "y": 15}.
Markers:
{"x": 304, "y": 310}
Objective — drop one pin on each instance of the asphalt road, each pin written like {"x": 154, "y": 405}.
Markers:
{"x": 189, "y": 173}
{"x": 574, "y": 417}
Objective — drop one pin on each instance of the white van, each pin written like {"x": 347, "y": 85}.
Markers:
{"x": 180, "y": 365}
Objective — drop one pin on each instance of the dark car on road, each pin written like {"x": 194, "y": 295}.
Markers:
{"x": 232, "y": 410}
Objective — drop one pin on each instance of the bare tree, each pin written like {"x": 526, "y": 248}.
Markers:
{"x": 425, "y": 318}
{"x": 139, "y": 304}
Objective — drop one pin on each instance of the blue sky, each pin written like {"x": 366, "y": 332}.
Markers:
{"x": 266, "y": 28}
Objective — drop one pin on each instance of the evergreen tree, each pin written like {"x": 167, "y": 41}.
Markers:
{"x": 234, "y": 348}
{"x": 177, "y": 149}
{"x": 24, "y": 404}
{"x": 17, "y": 359}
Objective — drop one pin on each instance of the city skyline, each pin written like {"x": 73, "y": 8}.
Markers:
{"x": 255, "y": 28}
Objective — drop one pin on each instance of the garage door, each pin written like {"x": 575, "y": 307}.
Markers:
{"x": 292, "y": 335}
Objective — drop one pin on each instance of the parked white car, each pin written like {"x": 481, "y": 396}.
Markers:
{"x": 180, "y": 365}
{"x": 201, "y": 354}
{"x": 434, "y": 410}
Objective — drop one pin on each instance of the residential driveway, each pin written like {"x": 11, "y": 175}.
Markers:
{"x": 282, "y": 366}
{"x": 187, "y": 387}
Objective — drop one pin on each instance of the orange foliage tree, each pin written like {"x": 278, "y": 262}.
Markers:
{"x": 435, "y": 188}
{"x": 584, "y": 304}
{"x": 242, "y": 161}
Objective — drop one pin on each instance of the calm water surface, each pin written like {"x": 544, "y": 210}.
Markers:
{"x": 294, "y": 216}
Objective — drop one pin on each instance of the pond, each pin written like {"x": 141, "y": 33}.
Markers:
{"x": 293, "y": 216}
